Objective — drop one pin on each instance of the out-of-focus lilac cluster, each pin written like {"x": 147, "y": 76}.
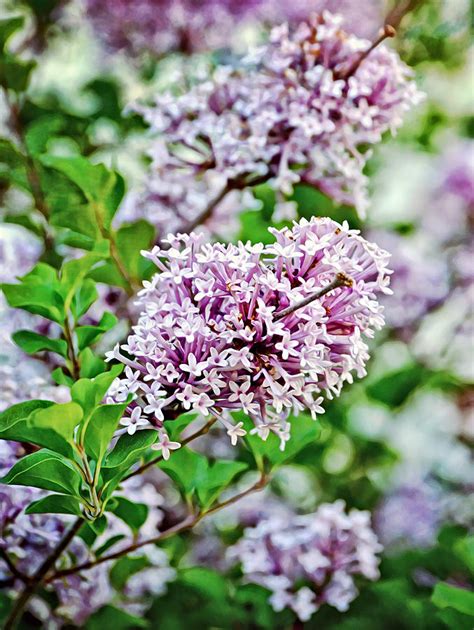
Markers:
{"x": 305, "y": 107}
{"x": 420, "y": 281}
{"x": 311, "y": 560}
{"x": 434, "y": 262}
{"x": 224, "y": 328}
{"x": 188, "y": 26}
{"x": 409, "y": 516}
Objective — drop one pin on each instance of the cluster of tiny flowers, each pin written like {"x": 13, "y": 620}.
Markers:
{"x": 420, "y": 279}
{"x": 223, "y": 328}
{"x": 409, "y": 516}
{"x": 311, "y": 560}
{"x": 298, "y": 109}
{"x": 188, "y": 26}
{"x": 29, "y": 539}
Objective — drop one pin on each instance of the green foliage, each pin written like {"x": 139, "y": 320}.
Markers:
{"x": 304, "y": 430}
{"x": 31, "y": 343}
{"x": 131, "y": 513}
{"x": 111, "y": 617}
{"x": 448, "y": 596}
{"x": 47, "y": 470}
{"x": 55, "y": 504}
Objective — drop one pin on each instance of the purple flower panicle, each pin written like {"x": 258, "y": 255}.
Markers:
{"x": 238, "y": 327}
{"x": 322, "y": 551}
{"x": 304, "y": 107}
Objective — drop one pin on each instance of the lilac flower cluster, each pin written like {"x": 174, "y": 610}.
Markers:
{"x": 420, "y": 280}
{"x": 299, "y": 109}
{"x": 432, "y": 266}
{"x": 188, "y": 26}
{"x": 323, "y": 551}
{"x": 409, "y": 516}
{"x": 230, "y": 327}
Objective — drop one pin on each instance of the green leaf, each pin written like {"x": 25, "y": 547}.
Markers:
{"x": 102, "y": 188}
{"x": 186, "y": 468}
{"x": 55, "y": 504}
{"x": 99, "y": 525}
{"x": 31, "y": 343}
{"x": 47, "y": 470}
{"x": 61, "y": 378}
{"x": 89, "y": 392}
{"x": 108, "y": 273}
{"x": 110, "y": 617}
{"x": 100, "y": 429}
{"x": 62, "y": 419}
{"x": 15, "y": 424}
{"x": 217, "y": 478}
{"x": 124, "y": 568}
{"x": 15, "y": 73}
{"x": 74, "y": 272}
{"x": 129, "y": 449}
{"x": 13, "y": 420}
{"x": 455, "y": 620}
{"x": 40, "y": 131}
{"x": 176, "y": 426}
{"x": 132, "y": 514}
{"x": 9, "y": 26}
{"x": 131, "y": 239}
{"x": 394, "y": 388}
{"x": 87, "y": 335}
{"x": 84, "y": 298}
{"x": 91, "y": 365}
{"x": 40, "y": 300}
{"x": 448, "y": 596}
{"x": 304, "y": 430}
{"x": 464, "y": 549}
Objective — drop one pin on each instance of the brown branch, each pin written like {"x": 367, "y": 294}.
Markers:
{"x": 400, "y": 10}
{"x": 237, "y": 184}
{"x": 387, "y": 31}
{"x": 36, "y": 580}
{"x": 188, "y": 523}
{"x": 341, "y": 280}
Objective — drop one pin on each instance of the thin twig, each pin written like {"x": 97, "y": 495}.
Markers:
{"x": 14, "y": 570}
{"x": 75, "y": 368}
{"x": 387, "y": 31}
{"x": 341, "y": 280}
{"x": 202, "y": 431}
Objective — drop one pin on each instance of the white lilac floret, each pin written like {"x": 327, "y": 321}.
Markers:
{"x": 311, "y": 560}
{"x": 237, "y": 327}
{"x": 305, "y": 107}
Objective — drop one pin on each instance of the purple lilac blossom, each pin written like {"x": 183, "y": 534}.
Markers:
{"x": 304, "y": 107}
{"x": 409, "y": 516}
{"x": 420, "y": 279}
{"x": 322, "y": 551}
{"x": 159, "y": 26}
{"x": 210, "y": 337}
